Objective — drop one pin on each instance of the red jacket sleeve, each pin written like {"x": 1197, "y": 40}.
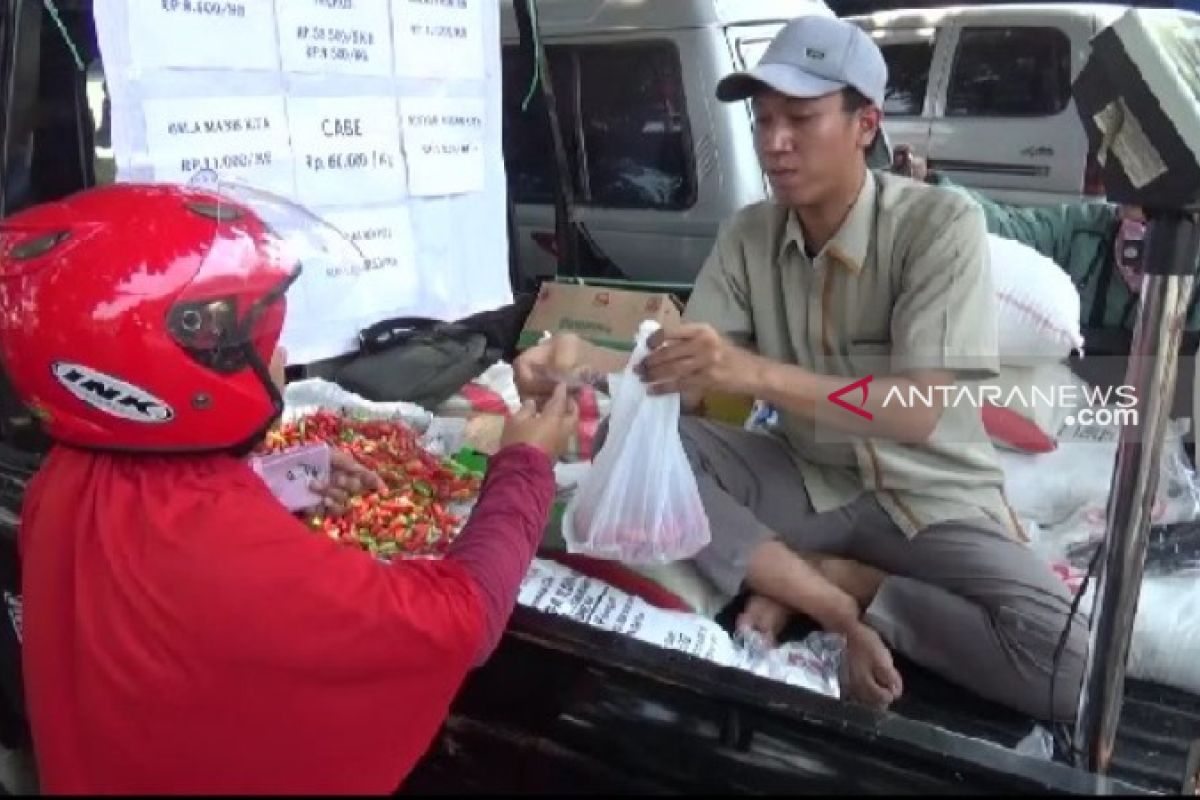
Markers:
{"x": 379, "y": 648}
{"x": 499, "y": 541}
{"x": 349, "y": 612}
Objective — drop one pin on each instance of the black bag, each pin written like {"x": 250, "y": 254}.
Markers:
{"x": 502, "y": 326}
{"x": 416, "y": 360}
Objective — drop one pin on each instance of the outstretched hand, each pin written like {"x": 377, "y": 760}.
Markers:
{"x": 347, "y": 479}
{"x": 548, "y": 429}
{"x": 695, "y": 358}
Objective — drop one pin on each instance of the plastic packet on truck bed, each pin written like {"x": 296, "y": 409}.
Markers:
{"x": 552, "y": 588}
{"x": 813, "y": 662}
{"x": 1066, "y": 493}
{"x": 639, "y": 502}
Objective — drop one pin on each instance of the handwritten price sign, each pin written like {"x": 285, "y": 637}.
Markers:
{"x": 445, "y": 138}
{"x": 347, "y": 161}
{"x": 348, "y": 150}
{"x": 245, "y": 137}
{"x": 335, "y": 37}
{"x": 441, "y": 39}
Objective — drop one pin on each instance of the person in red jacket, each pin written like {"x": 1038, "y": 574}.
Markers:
{"x": 183, "y": 632}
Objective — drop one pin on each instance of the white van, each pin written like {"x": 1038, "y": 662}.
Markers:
{"x": 984, "y": 93}
{"x": 658, "y": 162}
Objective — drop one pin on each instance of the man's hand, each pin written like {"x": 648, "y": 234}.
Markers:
{"x": 549, "y": 430}
{"x": 696, "y": 359}
{"x": 559, "y": 359}
{"x": 347, "y": 478}
{"x": 869, "y": 676}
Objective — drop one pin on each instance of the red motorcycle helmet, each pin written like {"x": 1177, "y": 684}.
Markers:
{"x": 143, "y": 317}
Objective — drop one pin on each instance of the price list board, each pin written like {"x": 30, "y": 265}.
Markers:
{"x": 381, "y": 116}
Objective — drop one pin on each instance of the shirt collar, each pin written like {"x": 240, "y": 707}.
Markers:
{"x": 849, "y": 245}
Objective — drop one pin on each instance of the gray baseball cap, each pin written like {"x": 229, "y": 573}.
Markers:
{"x": 813, "y": 56}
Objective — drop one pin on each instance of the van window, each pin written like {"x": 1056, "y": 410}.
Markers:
{"x": 624, "y": 117}
{"x": 637, "y": 142}
{"x": 1010, "y": 72}
{"x": 908, "y": 77}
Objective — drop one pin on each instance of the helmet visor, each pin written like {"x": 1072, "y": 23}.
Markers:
{"x": 233, "y": 309}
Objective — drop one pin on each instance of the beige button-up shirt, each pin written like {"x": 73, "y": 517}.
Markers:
{"x": 905, "y": 284}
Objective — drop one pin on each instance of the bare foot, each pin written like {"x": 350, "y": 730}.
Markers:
{"x": 868, "y": 675}
{"x": 766, "y": 616}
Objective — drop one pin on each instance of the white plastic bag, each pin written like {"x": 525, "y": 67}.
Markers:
{"x": 813, "y": 663}
{"x": 1038, "y": 743}
{"x": 1166, "y": 635}
{"x": 639, "y": 502}
{"x": 1071, "y": 485}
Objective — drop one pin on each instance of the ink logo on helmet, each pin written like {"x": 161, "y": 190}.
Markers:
{"x": 111, "y": 395}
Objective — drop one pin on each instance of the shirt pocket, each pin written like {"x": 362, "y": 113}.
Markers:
{"x": 870, "y": 356}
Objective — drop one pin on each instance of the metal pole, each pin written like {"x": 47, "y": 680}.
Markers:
{"x": 1166, "y": 288}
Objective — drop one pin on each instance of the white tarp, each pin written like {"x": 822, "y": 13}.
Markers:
{"x": 382, "y": 116}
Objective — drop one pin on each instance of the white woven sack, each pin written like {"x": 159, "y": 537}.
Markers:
{"x": 1037, "y": 305}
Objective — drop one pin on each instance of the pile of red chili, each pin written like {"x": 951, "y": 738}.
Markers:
{"x": 412, "y": 519}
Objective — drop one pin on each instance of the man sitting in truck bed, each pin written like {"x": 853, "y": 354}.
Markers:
{"x": 850, "y": 274}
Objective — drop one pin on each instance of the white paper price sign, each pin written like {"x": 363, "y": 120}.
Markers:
{"x": 348, "y": 37}
{"x": 238, "y": 34}
{"x": 372, "y": 114}
{"x": 347, "y": 150}
{"x": 388, "y": 274}
{"x": 242, "y": 137}
{"x": 443, "y": 140}
{"x": 439, "y": 38}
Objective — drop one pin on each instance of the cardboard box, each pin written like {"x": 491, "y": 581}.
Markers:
{"x": 603, "y": 316}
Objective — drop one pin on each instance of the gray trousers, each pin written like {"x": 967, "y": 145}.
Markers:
{"x": 963, "y": 599}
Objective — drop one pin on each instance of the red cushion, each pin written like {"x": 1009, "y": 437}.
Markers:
{"x": 1010, "y": 428}
{"x": 621, "y": 577}
{"x": 483, "y": 400}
